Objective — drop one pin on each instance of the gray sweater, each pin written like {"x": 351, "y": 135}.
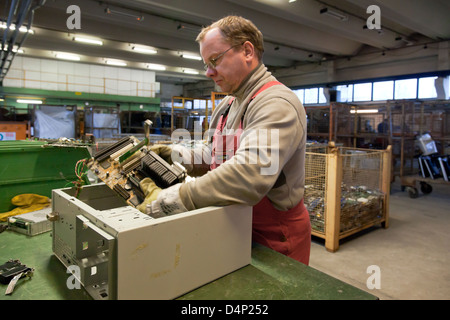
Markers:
{"x": 271, "y": 157}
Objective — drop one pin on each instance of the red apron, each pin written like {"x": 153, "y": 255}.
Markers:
{"x": 288, "y": 232}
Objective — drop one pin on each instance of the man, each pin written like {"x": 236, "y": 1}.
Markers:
{"x": 258, "y": 146}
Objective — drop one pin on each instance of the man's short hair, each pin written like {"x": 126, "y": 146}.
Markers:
{"x": 236, "y": 30}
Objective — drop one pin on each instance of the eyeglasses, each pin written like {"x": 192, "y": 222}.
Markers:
{"x": 213, "y": 62}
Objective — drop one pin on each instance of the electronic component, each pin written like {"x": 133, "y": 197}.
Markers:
{"x": 124, "y": 164}
{"x": 12, "y": 268}
{"x": 163, "y": 174}
{"x": 31, "y": 223}
{"x": 106, "y": 152}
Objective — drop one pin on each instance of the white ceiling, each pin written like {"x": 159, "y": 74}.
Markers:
{"x": 295, "y": 33}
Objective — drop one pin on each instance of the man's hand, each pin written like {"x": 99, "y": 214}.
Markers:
{"x": 163, "y": 151}
{"x": 151, "y": 192}
{"x": 160, "y": 203}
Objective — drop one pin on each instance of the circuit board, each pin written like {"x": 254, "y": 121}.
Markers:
{"x": 124, "y": 164}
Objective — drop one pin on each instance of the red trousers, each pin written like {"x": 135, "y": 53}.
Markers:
{"x": 288, "y": 232}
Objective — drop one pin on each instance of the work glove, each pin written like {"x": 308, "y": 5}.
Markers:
{"x": 161, "y": 203}
{"x": 151, "y": 191}
{"x": 163, "y": 151}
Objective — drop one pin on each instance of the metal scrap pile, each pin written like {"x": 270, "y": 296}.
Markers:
{"x": 314, "y": 201}
{"x": 359, "y": 206}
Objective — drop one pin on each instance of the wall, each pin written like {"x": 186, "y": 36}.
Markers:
{"x": 169, "y": 90}
{"x": 35, "y": 73}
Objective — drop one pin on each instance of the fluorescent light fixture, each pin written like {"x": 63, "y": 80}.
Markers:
{"x": 116, "y": 63}
{"x": 29, "y": 101}
{"x": 290, "y": 1}
{"x": 13, "y": 27}
{"x": 144, "y": 50}
{"x": 14, "y": 50}
{"x": 126, "y": 14}
{"x": 88, "y": 41}
{"x": 190, "y": 71}
{"x": 364, "y": 111}
{"x": 153, "y": 66}
{"x": 67, "y": 56}
{"x": 191, "y": 56}
{"x": 334, "y": 14}
{"x": 25, "y": 29}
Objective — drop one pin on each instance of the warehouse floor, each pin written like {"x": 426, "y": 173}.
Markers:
{"x": 413, "y": 253}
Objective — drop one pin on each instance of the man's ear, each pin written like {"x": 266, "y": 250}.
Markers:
{"x": 249, "y": 50}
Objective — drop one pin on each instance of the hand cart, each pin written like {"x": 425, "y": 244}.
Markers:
{"x": 409, "y": 185}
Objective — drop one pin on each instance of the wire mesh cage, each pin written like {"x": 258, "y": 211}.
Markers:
{"x": 395, "y": 123}
{"x": 319, "y": 123}
{"x": 315, "y": 185}
{"x": 361, "y": 188}
{"x": 346, "y": 190}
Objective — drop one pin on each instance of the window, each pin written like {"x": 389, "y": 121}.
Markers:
{"x": 362, "y": 92}
{"x": 188, "y": 104}
{"x": 345, "y": 93}
{"x": 300, "y": 94}
{"x": 447, "y": 87}
{"x": 322, "y": 97}
{"x": 383, "y": 90}
{"x": 427, "y": 88}
{"x": 311, "y": 95}
{"x": 200, "y": 104}
{"x": 415, "y": 88}
{"x": 405, "y": 89}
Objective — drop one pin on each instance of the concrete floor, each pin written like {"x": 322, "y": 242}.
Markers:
{"x": 413, "y": 254}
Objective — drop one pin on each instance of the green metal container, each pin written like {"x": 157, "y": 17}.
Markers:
{"x": 36, "y": 167}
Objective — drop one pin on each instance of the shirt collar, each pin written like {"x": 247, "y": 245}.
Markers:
{"x": 249, "y": 81}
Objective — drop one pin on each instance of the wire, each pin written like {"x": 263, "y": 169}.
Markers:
{"x": 81, "y": 173}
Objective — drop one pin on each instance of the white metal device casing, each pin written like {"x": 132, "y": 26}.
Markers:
{"x": 125, "y": 254}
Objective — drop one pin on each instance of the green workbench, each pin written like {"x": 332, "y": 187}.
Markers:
{"x": 270, "y": 276}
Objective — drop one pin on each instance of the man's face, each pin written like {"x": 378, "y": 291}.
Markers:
{"x": 231, "y": 68}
